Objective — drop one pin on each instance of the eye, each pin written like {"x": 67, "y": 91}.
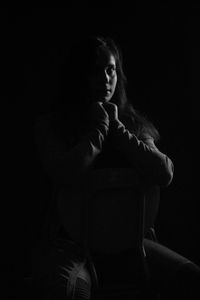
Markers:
{"x": 111, "y": 70}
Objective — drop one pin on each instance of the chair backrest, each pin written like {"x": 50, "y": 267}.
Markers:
{"x": 113, "y": 212}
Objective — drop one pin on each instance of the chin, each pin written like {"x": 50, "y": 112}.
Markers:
{"x": 106, "y": 99}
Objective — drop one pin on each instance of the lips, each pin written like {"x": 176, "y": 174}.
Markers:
{"x": 103, "y": 92}
{"x": 106, "y": 90}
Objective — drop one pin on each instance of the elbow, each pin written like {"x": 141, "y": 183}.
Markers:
{"x": 166, "y": 174}
{"x": 165, "y": 179}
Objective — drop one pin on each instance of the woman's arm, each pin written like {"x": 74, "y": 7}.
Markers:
{"x": 154, "y": 166}
{"x": 64, "y": 160}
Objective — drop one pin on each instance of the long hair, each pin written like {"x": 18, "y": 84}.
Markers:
{"x": 79, "y": 65}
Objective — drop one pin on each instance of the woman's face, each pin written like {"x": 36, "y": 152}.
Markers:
{"x": 103, "y": 79}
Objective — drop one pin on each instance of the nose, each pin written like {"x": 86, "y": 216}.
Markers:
{"x": 105, "y": 76}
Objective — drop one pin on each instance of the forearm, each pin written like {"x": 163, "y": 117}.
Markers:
{"x": 81, "y": 158}
{"x": 154, "y": 166}
{"x": 67, "y": 163}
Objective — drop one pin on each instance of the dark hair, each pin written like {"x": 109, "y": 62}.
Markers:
{"x": 81, "y": 60}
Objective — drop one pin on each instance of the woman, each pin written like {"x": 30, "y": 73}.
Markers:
{"x": 97, "y": 127}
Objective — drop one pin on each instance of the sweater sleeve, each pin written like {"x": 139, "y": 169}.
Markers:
{"x": 63, "y": 159}
{"x": 155, "y": 167}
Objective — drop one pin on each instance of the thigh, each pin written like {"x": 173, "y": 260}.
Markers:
{"x": 165, "y": 266}
{"x": 59, "y": 271}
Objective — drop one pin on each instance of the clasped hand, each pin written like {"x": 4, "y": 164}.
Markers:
{"x": 104, "y": 112}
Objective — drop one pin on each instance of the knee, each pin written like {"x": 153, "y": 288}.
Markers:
{"x": 189, "y": 273}
{"x": 187, "y": 281}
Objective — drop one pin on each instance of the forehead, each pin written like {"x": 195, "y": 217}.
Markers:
{"x": 104, "y": 58}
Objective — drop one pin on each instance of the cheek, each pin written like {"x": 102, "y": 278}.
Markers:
{"x": 114, "y": 82}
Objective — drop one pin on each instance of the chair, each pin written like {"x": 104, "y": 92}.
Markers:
{"x": 113, "y": 220}
{"x": 106, "y": 194}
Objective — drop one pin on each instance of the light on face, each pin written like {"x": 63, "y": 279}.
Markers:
{"x": 103, "y": 82}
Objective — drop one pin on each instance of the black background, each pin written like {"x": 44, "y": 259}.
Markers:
{"x": 160, "y": 48}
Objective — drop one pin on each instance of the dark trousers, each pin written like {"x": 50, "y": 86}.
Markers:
{"x": 174, "y": 276}
{"x": 60, "y": 271}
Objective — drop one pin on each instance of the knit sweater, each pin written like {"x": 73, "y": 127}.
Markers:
{"x": 69, "y": 153}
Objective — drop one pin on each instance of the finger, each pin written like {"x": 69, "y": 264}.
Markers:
{"x": 109, "y": 104}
